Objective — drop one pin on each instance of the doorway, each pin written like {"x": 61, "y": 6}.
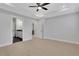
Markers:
{"x": 37, "y": 30}
{"x": 33, "y": 31}
{"x": 17, "y": 30}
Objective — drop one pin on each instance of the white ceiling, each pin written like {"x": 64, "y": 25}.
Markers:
{"x": 54, "y": 9}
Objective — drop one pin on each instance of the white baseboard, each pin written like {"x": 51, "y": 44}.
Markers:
{"x": 62, "y": 40}
{"x": 3, "y": 45}
{"x": 26, "y": 39}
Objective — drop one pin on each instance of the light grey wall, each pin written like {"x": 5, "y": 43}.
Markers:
{"x": 5, "y": 29}
{"x": 65, "y": 27}
{"x": 27, "y": 29}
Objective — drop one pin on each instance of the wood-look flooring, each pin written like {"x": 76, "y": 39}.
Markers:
{"x": 39, "y": 47}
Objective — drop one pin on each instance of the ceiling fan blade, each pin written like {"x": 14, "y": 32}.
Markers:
{"x": 44, "y": 8}
{"x": 37, "y": 10}
{"x": 38, "y": 4}
{"x": 45, "y": 4}
{"x": 33, "y": 6}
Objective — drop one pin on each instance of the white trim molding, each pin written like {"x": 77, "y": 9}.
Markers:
{"x": 3, "y": 45}
{"x": 62, "y": 40}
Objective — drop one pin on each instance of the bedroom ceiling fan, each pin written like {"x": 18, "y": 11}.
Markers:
{"x": 40, "y": 6}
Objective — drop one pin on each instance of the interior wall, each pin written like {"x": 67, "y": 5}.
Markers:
{"x": 27, "y": 29}
{"x": 65, "y": 27}
{"x": 6, "y": 27}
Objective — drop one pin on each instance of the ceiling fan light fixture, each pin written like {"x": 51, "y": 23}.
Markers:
{"x": 39, "y": 8}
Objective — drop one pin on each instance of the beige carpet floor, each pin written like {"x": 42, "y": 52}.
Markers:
{"x": 39, "y": 47}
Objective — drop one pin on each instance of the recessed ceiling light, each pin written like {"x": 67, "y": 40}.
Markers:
{"x": 65, "y": 9}
{"x": 64, "y": 6}
{"x": 9, "y": 4}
